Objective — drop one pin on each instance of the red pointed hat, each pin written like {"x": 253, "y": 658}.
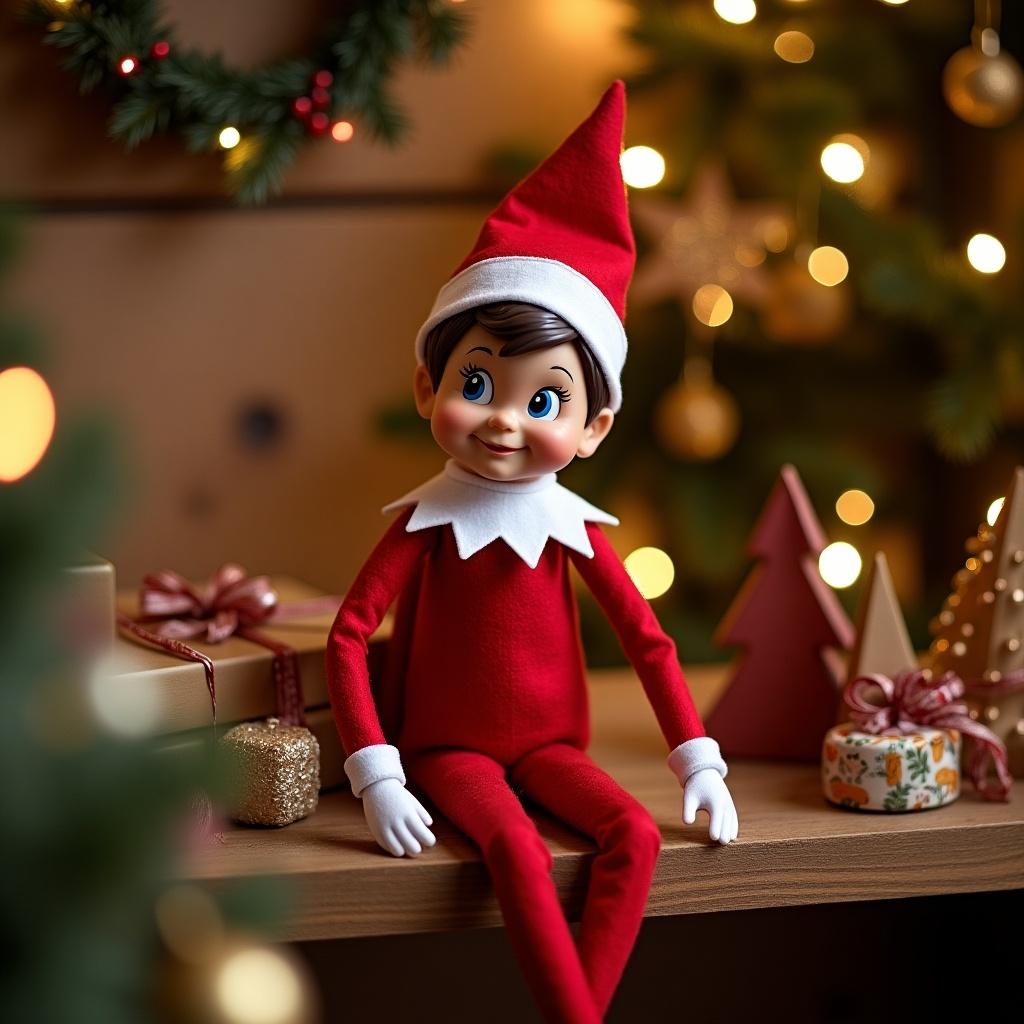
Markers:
{"x": 561, "y": 239}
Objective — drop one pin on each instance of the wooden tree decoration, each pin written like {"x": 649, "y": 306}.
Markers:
{"x": 784, "y": 692}
{"x": 882, "y": 643}
{"x": 979, "y": 634}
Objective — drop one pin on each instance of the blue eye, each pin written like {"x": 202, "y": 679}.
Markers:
{"x": 479, "y": 387}
{"x": 545, "y": 404}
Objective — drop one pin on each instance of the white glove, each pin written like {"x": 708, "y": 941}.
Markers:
{"x": 706, "y": 791}
{"x": 397, "y": 820}
{"x": 698, "y": 765}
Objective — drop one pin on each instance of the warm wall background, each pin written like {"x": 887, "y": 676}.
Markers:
{"x": 177, "y": 313}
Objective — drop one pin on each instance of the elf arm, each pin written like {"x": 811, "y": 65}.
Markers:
{"x": 695, "y": 758}
{"x": 397, "y": 820}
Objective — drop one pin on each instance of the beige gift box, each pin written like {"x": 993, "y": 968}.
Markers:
{"x": 243, "y": 669}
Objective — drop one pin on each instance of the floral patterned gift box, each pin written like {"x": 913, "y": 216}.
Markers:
{"x": 901, "y": 749}
{"x": 905, "y": 772}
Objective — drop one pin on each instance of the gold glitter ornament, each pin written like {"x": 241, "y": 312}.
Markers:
{"x": 982, "y": 85}
{"x": 983, "y": 90}
{"x": 276, "y": 771}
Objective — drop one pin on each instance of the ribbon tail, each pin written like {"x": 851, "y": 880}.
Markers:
{"x": 987, "y": 750}
{"x": 289, "y": 699}
{"x": 176, "y": 647}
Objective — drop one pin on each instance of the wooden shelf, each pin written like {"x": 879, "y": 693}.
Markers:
{"x": 793, "y": 847}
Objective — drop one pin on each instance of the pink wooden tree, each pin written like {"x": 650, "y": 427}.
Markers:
{"x": 784, "y": 691}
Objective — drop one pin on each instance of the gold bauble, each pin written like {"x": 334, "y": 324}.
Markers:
{"x": 697, "y": 420}
{"x": 802, "y": 312}
{"x": 986, "y": 91}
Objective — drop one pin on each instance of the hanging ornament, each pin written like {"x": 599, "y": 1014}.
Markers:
{"x": 697, "y": 420}
{"x": 982, "y": 85}
{"x": 707, "y": 239}
{"x": 800, "y": 311}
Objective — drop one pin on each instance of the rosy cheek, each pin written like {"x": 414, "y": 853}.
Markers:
{"x": 452, "y": 419}
{"x": 555, "y": 443}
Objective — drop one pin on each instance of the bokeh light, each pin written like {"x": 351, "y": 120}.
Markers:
{"x": 651, "y": 570}
{"x": 27, "y": 418}
{"x": 828, "y": 265}
{"x": 257, "y": 985}
{"x": 986, "y": 254}
{"x": 855, "y": 507}
{"x": 993, "y": 511}
{"x": 642, "y": 166}
{"x": 120, "y": 705}
{"x": 839, "y": 564}
{"x": 712, "y": 305}
{"x": 845, "y": 158}
{"x": 736, "y": 12}
{"x": 229, "y": 137}
{"x": 342, "y": 131}
{"x": 794, "y": 47}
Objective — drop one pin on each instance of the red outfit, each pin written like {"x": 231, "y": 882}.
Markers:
{"x": 484, "y": 683}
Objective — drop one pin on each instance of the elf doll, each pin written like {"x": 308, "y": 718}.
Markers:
{"x": 483, "y": 696}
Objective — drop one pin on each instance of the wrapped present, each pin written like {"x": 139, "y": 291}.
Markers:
{"x": 901, "y": 750}
{"x": 905, "y": 772}
{"x": 87, "y": 606}
{"x": 243, "y": 671}
{"x": 275, "y": 772}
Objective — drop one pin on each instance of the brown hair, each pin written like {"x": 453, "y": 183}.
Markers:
{"x": 523, "y": 328}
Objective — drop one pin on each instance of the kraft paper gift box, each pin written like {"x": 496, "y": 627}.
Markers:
{"x": 243, "y": 669}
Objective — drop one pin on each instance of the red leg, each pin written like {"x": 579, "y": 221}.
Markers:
{"x": 471, "y": 790}
{"x": 566, "y": 782}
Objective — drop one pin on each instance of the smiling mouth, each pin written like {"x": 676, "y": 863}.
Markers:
{"x": 497, "y": 449}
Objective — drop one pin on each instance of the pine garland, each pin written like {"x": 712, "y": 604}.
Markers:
{"x": 165, "y": 88}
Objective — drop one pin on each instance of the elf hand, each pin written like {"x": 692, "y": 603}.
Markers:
{"x": 698, "y": 765}
{"x": 397, "y": 820}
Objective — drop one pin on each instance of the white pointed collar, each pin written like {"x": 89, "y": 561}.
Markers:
{"x": 523, "y": 513}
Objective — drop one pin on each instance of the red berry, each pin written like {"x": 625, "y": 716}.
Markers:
{"x": 302, "y": 106}
{"x": 323, "y": 79}
{"x": 319, "y": 123}
{"x": 160, "y": 49}
{"x": 321, "y": 98}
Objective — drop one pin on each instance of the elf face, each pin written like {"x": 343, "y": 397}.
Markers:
{"x": 515, "y": 418}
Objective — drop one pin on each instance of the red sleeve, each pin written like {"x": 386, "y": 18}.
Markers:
{"x": 650, "y": 650}
{"x": 381, "y": 578}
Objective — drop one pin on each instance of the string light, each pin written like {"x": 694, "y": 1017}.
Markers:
{"x": 894, "y": 3}
{"x": 839, "y": 564}
{"x": 855, "y": 507}
{"x": 229, "y": 137}
{"x": 986, "y": 254}
{"x": 342, "y": 131}
{"x": 736, "y": 12}
{"x": 642, "y": 166}
{"x": 845, "y": 158}
{"x": 651, "y": 570}
{"x": 127, "y": 65}
{"x": 712, "y": 305}
{"x": 828, "y": 265}
{"x": 993, "y": 511}
{"x": 794, "y": 47}
{"x": 27, "y": 418}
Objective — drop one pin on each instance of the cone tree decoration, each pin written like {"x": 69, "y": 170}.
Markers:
{"x": 979, "y": 634}
{"x": 882, "y": 642}
{"x": 784, "y": 692}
